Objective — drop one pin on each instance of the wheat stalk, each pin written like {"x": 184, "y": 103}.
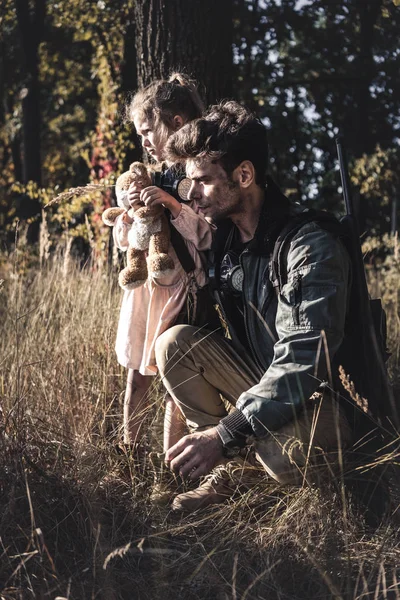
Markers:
{"x": 77, "y": 192}
{"x": 44, "y": 240}
{"x": 349, "y": 386}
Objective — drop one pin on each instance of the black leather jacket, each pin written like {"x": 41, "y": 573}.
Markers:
{"x": 292, "y": 335}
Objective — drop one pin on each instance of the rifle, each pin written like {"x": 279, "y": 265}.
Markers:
{"x": 366, "y": 319}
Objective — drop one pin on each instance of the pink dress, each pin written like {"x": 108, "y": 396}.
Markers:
{"x": 149, "y": 310}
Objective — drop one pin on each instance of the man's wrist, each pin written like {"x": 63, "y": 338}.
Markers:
{"x": 238, "y": 427}
{"x": 234, "y": 430}
{"x": 230, "y": 446}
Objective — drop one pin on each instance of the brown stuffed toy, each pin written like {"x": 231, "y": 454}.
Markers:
{"x": 149, "y": 233}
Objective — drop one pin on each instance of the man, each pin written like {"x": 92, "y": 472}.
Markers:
{"x": 285, "y": 320}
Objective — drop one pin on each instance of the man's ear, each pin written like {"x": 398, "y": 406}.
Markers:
{"x": 246, "y": 174}
{"x": 177, "y": 122}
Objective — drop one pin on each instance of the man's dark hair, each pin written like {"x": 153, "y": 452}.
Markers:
{"x": 229, "y": 134}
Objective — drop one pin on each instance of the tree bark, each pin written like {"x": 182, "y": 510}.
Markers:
{"x": 31, "y": 28}
{"x": 129, "y": 78}
{"x": 194, "y": 36}
{"x": 31, "y": 31}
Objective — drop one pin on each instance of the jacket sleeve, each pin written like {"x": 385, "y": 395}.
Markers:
{"x": 194, "y": 228}
{"x": 120, "y": 233}
{"x": 310, "y": 322}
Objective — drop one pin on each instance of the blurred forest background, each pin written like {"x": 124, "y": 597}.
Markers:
{"x": 308, "y": 68}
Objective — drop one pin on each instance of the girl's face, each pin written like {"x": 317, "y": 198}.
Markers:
{"x": 152, "y": 138}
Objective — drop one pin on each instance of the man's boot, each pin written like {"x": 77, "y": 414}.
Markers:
{"x": 220, "y": 485}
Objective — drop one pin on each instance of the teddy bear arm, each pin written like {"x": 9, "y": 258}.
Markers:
{"x": 110, "y": 215}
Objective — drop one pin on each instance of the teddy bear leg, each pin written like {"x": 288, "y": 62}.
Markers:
{"x": 160, "y": 264}
{"x": 135, "y": 274}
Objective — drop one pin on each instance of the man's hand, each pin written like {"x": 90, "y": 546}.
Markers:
{"x": 154, "y": 196}
{"x": 196, "y": 454}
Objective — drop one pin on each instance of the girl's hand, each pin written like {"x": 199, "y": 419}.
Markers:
{"x": 134, "y": 192}
{"x": 126, "y": 218}
{"x": 154, "y": 196}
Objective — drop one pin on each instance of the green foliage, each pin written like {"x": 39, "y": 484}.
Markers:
{"x": 378, "y": 175}
{"x": 314, "y": 68}
{"x": 83, "y": 137}
{"x": 307, "y": 68}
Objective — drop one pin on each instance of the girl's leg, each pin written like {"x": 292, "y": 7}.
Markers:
{"x": 135, "y": 403}
{"x": 174, "y": 423}
{"x": 174, "y": 429}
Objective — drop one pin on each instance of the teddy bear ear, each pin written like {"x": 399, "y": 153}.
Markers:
{"x": 139, "y": 170}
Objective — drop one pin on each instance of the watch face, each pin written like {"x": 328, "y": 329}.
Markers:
{"x": 183, "y": 188}
{"x": 237, "y": 278}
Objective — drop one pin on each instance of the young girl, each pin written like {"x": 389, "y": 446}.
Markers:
{"x": 147, "y": 311}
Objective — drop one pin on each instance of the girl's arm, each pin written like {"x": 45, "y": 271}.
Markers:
{"x": 121, "y": 229}
{"x": 191, "y": 225}
{"x": 194, "y": 227}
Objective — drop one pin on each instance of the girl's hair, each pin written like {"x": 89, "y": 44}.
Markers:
{"x": 163, "y": 99}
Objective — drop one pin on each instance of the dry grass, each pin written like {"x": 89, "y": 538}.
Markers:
{"x": 75, "y": 517}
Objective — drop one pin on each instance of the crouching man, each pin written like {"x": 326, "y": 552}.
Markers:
{"x": 263, "y": 384}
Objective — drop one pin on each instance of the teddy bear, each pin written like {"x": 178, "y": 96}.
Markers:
{"x": 149, "y": 233}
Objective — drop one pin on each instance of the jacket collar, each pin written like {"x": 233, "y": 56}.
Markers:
{"x": 274, "y": 214}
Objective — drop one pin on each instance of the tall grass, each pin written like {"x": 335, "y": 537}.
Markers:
{"x": 76, "y": 519}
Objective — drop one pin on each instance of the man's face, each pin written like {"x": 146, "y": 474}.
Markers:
{"x": 216, "y": 195}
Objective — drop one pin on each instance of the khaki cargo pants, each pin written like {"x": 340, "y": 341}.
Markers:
{"x": 198, "y": 367}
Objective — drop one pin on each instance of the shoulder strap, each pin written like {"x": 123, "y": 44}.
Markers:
{"x": 181, "y": 249}
{"x": 325, "y": 220}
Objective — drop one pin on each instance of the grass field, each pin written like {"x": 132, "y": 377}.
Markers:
{"x": 76, "y": 519}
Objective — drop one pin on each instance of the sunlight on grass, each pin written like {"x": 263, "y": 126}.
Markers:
{"x": 76, "y": 517}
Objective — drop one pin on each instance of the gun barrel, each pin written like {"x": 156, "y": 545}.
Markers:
{"x": 344, "y": 175}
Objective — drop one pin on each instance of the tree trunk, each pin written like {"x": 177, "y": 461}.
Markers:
{"x": 194, "y": 36}
{"x": 31, "y": 31}
{"x": 129, "y": 78}
{"x": 31, "y": 25}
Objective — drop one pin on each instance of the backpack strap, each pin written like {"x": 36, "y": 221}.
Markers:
{"x": 181, "y": 249}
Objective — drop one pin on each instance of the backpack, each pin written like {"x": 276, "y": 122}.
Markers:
{"x": 363, "y": 352}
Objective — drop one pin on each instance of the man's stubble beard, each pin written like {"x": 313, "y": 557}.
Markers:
{"x": 234, "y": 208}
